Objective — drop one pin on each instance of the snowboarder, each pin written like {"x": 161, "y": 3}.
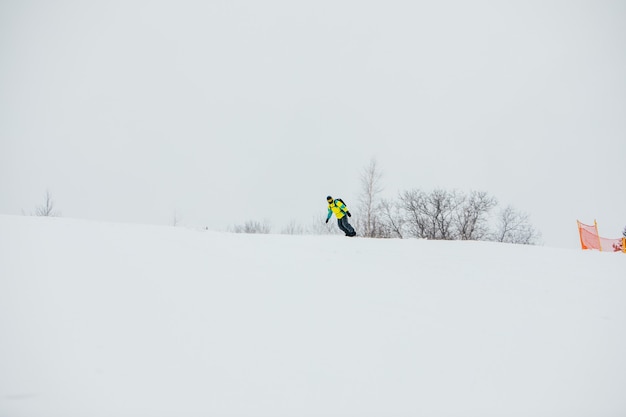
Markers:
{"x": 338, "y": 207}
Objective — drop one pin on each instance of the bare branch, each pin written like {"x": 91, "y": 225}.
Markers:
{"x": 471, "y": 215}
{"x": 47, "y": 208}
{"x": 392, "y": 219}
{"x": 514, "y": 227}
{"x": 371, "y": 189}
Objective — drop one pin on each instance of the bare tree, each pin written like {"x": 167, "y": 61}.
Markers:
{"x": 442, "y": 205}
{"x": 446, "y": 215}
{"x": 252, "y": 226}
{"x": 430, "y": 215}
{"x": 392, "y": 219}
{"x": 47, "y": 208}
{"x": 471, "y": 215}
{"x": 413, "y": 202}
{"x": 371, "y": 188}
{"x": 176, "y": 219}
{"x": 514, "y": 227}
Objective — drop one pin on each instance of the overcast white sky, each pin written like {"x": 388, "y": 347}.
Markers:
{"x": 228, "y": 111}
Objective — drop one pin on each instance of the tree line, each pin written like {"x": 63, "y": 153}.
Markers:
{"x": 438, "y": 214}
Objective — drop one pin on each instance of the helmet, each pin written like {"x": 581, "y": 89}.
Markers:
{"x": 329, "y": 199}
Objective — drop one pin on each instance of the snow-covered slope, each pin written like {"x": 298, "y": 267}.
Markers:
{"x": 119, "y": 320}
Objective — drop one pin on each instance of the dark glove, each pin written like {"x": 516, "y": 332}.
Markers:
{"x": 348, "y": 213}
{"x": 326, "y": 220}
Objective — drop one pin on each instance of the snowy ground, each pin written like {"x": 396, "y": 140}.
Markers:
{"x": 118, "y": 320}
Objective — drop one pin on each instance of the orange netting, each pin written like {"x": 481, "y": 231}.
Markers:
{"x": 590, "y": 239}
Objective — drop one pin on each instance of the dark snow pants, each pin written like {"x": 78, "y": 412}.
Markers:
{"x": 345, "y": 226}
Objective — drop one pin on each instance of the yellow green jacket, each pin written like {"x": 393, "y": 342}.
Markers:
{"x": 338, "y": 208}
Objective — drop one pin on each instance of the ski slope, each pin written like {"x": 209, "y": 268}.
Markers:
{"x": 116, "y": 320}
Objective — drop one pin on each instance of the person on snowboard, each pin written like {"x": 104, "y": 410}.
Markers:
{"x": 338, "y": 207}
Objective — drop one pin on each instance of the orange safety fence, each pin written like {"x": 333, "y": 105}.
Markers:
{"x": 590, "y": 239}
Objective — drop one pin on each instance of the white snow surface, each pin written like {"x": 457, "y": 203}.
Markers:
{"x": 113, "y": 320}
